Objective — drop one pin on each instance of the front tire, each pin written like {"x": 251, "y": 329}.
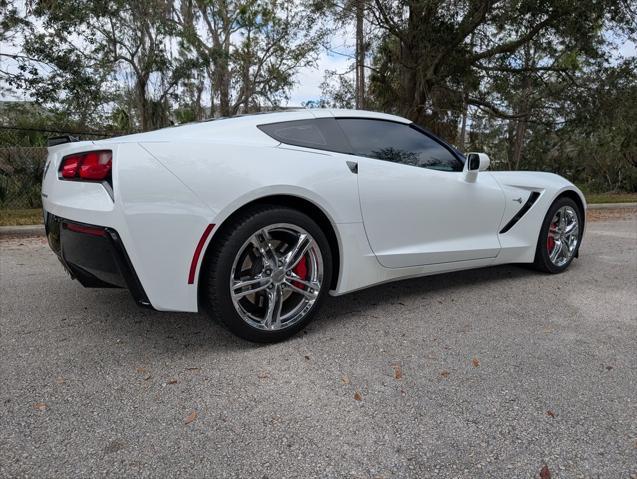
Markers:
{"x": 560, "y": 236}
{"x": 267, "y": 274}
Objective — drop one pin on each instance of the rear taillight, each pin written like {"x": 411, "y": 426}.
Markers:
{"x": 70, "y": 165}
{"x": 90, "y": 166}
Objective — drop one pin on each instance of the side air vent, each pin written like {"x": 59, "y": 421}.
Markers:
{"x": 527, "y": 206}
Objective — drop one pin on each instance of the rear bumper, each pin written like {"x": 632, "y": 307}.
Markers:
{"x": 94, "y": 255}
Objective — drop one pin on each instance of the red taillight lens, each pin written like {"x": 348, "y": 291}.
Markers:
{"x": 93, "y": 165}
{"x": 96, "y": 165}
{"x": 70, "y": 165}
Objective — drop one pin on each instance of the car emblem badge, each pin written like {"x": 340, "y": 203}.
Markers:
{"x": 278, "y": 275}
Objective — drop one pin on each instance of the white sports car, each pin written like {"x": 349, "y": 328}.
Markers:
{"x": 255, "y": 218}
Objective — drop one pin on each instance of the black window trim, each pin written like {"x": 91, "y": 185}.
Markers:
{"x": 455, "y": 153}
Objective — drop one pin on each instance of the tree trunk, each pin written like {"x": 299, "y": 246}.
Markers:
{"x": 142, "y": 101}
{"x": 463, "y": 127}
{"x": 360, "y": 55}
{"x": 414, "y": 91}
{"x": 222, "y": 85}
{"x": 511, "y": 126}
{"x": 520, "y": 132}
{"x": 525, "y": 107}
{"x": 213, "y": 90}
{"x": 221, "y": 55}
{"x": 199, "y": 114}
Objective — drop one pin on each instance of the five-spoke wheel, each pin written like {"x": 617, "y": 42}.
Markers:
{"x": 560, "y": 236}
{"x": 563, "y": 236}
{"x": 268, "y": 273}
{"x": 276, "y": 276}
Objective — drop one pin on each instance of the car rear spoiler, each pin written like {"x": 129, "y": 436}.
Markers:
{"x": 60, "y": 140}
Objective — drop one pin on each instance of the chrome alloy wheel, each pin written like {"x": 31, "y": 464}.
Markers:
{"x": 563, "y": 236}
{"x": 276, "y": 277}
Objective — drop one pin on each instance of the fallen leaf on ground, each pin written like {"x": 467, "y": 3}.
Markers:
{"x": 171, "y": 381}
{"x": 114, "y": 446}
{"x": 263, "y": 375}
{"x": 192, "y": 369}
{"x": 444, "y": 374}
{"x": 357, "y": 396}
{"x": 545, "y": 473}
{"x": 398, "y": 372}
{"x": 191, "y": 417}
{"x": 550, "y": 413}
{"x": 307, "y": 357}
{"x": 608, "y": 368}
{"x": 40, "y": 406}
{"x": 475, "y": 362}
{"x": 146, "y": 374}
{"x": 345, "y": 379}
{"x": 59, "y": 380}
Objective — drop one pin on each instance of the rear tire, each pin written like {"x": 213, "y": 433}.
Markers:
{"x": 560, "y": 236}
{"x": 267, "y": 274}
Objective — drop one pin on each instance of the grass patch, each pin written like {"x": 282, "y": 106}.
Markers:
{"x": 21, "y": 217}
{"x": 596, "y": 198}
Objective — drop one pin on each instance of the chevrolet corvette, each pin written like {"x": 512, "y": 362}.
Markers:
{"x": 254, "y": 219}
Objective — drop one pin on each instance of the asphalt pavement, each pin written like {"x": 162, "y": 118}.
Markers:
{"x": 500, "y": 372}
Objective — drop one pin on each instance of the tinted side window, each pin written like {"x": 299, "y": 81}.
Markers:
{"x": 399, "y": 143}
{"x": 319, "y": 133}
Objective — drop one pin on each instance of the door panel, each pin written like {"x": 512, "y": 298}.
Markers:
{"x": 417, "y": 216}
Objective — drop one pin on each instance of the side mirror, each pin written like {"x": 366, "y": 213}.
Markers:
{"x": 475, "y": 162}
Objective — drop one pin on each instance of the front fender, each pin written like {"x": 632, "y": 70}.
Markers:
{"x": 519, "y": 243}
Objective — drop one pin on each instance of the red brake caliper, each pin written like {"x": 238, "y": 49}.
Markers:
{"x": 550, "y": 241}
{"x": 301, "y": 271}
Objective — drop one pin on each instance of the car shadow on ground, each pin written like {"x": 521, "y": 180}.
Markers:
{"x": 415, "y": 290}
{"x": 182, "y": 331}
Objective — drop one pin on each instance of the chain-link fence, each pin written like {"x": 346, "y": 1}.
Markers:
{"x": 20, "y": 176}
{"x": 23, "y": 153}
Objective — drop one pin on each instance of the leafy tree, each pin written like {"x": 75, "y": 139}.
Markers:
{"x": 250, "y": 49}
{"x": 338, "y": 90}
{"x": 433, "y": 54}
{"x": 82, "y": 54}
{"x": 535, "y": 83}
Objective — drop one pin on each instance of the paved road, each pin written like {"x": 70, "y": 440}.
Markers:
{"x": 489, "y": 373}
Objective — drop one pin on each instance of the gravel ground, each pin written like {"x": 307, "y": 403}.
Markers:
{"x": 499, "y": 372}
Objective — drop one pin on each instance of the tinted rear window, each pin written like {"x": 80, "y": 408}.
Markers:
{"x": 319, "y": 133}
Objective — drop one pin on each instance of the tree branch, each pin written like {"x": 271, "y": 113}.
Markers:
{"x": 520, "y": 70}
{"x": 482, "y": 104}
{"x": 511, "y": 46}
{"x": 467, "y": 26}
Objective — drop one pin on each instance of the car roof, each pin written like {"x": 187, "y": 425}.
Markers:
{"x": 308, "y": 113}
{"x": 241, "y": 128}
{"x": 262, "y": 118}
{"x": 346, "y": 113}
